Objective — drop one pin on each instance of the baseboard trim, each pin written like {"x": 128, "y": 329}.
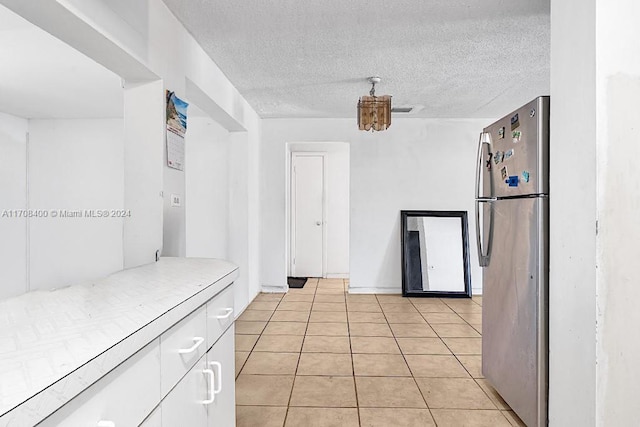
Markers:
{"x": 274, "y": 289}
{"x": 359, "y": 290}
{"x": 337, "y": 275}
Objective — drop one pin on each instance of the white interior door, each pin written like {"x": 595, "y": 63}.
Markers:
{"x": 307, "y": 250}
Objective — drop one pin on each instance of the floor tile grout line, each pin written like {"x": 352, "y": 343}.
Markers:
{"x": 295, "y": 374}
{"x": 459, "y": 361}
{"x": 407, "y": 363}
{"x": 486, "y": 394}
{"x": 353, "y": 367}
{"x": 456, "y": 355}
{"x": 438, "y": 336}
{"x": 359, "y": 376}
{"x": 442, "y": 338}
{"x": 383, "y": 406}
{"x": 259, "y": 335}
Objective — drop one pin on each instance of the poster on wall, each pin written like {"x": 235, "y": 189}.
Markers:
{"x": 176, "y": 129}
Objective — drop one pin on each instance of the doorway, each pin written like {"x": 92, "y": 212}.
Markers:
{"x": 318, "y": 209}
{"x": 308, "y": 201}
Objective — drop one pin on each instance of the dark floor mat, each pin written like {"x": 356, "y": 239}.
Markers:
{"x": 296, "y": 282}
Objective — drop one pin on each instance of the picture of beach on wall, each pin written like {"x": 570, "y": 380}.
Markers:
{"x": 176, "y": 113}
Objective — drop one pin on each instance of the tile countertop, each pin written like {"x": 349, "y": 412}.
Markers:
{"x": 53, "y": 344}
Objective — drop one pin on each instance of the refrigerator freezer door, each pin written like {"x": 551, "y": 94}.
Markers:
{"x": 520, "y": 151}
{"x": 514, "y": 339}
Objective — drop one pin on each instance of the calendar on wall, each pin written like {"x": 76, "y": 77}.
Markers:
{"x": 176, "y": 116}
{"x": 175, "y": 150}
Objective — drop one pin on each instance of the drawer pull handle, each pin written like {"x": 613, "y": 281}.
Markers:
{"x": 218, "y": 367}
{"x": 196, "y": 343}
{"x": 212, "y": 394}
{"x": 103, "y": 423}
{"x": 228, "y": 313}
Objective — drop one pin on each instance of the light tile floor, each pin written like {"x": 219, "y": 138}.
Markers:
{"x": 320, "y": 357}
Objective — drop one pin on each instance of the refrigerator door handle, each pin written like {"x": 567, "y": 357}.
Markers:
{"x": 484, "y": 250}
{"x": 484, "y": 140}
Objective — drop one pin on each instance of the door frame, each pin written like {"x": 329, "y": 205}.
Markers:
{"x": 292, "y": 203}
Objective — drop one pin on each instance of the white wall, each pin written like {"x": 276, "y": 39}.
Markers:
{"x": 70, "y": 165}
{"x": 419, "y": 165}
{"x": 75, "y": 165}
{"x": 415, "y": 164}
{"x": 174, "y": 229}
{"x": 238, "y": 219}
{"x": 337, "y": 209}
{"x": 253, "y": 205}
{"x": 144, "y": 132}
{"x": 142, "y": 44}
{"x": 572, "y": 293}
{"x": 207, "y": 215}
{"x": 13, "y": 191}
{"x": 618, "y": 211}
{"x": 595, "y": 84}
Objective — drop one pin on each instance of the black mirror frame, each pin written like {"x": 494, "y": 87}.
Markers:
{"x": 465, "y": 254}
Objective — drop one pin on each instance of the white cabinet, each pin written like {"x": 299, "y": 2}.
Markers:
{"x": 173, "y": 381}
{"x": 206, "y": 395}
{"x": 219, "y": 315}
{"x": 221, "y": 360}
{"x": 186, "y": 405}
{"x": 123, "y": 397}
{"x": 182, "y": 346}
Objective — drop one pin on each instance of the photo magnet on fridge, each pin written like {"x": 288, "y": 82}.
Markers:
{"x": 515, "y": 122}
{"x": 516, "y": 135}
{"x": 504, "y": 173}
{"x": 497, "y": 157}
{"x": 508, "y": 154}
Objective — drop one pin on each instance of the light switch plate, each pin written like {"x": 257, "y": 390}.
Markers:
{"x": 176, "y": 200}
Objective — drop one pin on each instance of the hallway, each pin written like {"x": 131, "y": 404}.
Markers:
{"x": 319, "y": 356}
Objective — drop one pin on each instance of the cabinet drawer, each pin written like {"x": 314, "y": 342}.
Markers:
{"x": 221, "y": 360}
{"x": 123, "y": 397}
{"x": 220, "y": 315}
{"x": 181, "y": 347}
{"x": 186, "y": 404}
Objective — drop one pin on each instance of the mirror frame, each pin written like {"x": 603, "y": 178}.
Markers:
{"x": 464, "y": 227}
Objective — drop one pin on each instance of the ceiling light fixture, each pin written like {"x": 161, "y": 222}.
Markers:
{"x": 374, "y": 112}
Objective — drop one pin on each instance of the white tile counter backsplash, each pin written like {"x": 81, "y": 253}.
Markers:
{"x": 55, "y": 343}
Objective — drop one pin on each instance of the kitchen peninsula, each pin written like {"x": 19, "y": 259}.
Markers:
{"x": 112, "y": 352}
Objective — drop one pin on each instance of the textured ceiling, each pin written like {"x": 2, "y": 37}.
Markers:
{"x": 42, "y": 77}
{"x": 448, "y": 58}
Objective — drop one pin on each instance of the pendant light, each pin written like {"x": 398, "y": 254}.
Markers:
{"x": 374, "y": 112}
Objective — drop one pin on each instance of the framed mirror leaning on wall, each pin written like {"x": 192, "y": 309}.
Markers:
{"x": 435, "y": 254}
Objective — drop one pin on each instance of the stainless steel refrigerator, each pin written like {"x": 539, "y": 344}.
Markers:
{"x": 512, "y": 222}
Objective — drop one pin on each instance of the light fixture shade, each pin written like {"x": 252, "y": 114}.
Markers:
{"x": 374, "y": 112}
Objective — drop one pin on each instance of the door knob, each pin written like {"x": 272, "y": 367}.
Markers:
{"x": 318, "y": 222}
